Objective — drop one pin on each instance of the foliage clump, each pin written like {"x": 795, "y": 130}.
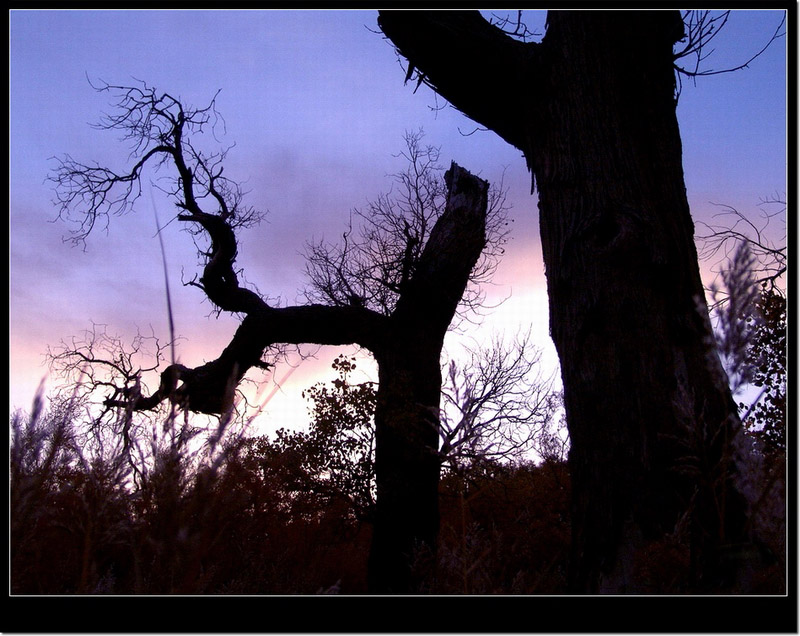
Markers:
{"x": 766, "y": 353}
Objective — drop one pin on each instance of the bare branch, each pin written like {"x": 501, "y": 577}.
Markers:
{"x": 159, "y": 130}
{"x": 701, "y": 29}
{"x": 486, "y": 70}
{"x": 720, "y": 240}
{"x": 514, "y": 27}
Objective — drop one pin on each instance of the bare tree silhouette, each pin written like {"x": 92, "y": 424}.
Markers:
{"x": 431, "y": 257}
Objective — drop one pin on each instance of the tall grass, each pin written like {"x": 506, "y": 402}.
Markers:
{"x": 182, "y": 509}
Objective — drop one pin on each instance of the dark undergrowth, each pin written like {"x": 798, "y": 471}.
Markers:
{"x": 236, "y": 515}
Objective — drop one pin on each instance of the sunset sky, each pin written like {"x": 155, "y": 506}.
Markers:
{"x": 315, "y": 103}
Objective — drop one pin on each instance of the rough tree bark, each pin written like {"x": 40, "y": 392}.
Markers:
{"x": 650, "y": 414}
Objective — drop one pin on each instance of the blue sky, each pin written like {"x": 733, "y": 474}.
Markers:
{"x": 316, "y": 105}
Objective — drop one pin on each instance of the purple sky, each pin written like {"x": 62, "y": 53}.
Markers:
{"x": 316, "y": 105}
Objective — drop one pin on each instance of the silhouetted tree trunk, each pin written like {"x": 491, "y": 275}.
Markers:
{"x": 409, "y": 388}
{"x": 406, "y": 465}
{"x": 650, "y": 414}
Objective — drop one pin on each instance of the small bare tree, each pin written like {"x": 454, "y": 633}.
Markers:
{"x": 379, "y": 254}
{"x": 497, "y": 404}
